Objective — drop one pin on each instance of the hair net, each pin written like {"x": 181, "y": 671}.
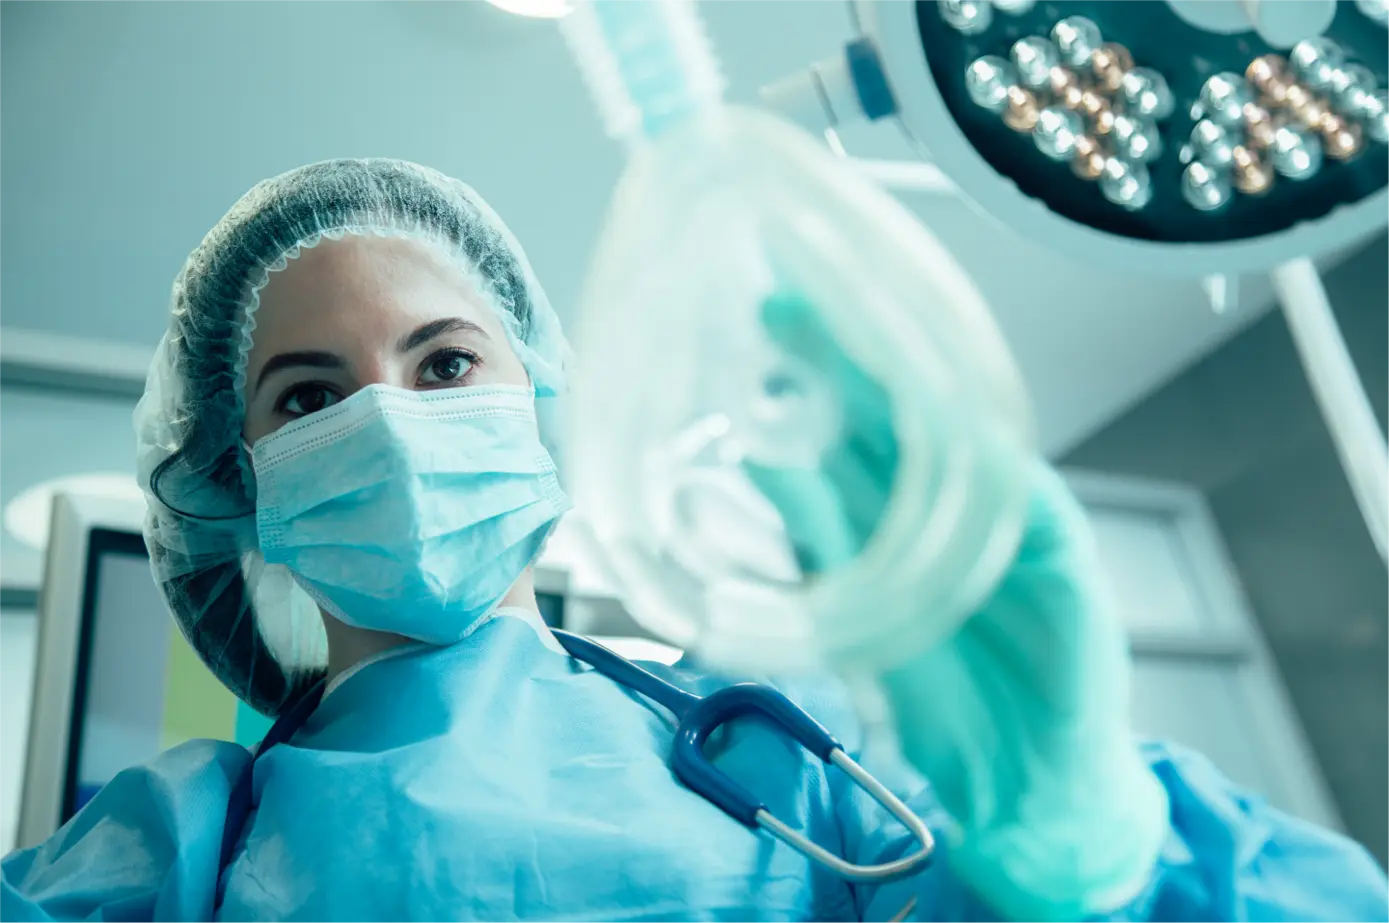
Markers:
{"x": 248, "y": 621}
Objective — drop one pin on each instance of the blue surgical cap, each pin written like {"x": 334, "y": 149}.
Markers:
{"x": 248, "y": 621}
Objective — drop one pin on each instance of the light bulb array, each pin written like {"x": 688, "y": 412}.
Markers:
{"x": 1083, "y": 101}
{"x": 1282, "y": 117}
{"x": 972, "y": 17}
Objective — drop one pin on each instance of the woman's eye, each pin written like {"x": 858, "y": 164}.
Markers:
{"x": 309, "y": 399}
{"x": 445, "y": 368}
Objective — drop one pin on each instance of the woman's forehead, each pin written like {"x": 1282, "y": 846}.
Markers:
{"x": 362, "y": 284}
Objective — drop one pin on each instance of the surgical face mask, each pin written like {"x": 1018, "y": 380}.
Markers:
{"x": 408, "y": 512}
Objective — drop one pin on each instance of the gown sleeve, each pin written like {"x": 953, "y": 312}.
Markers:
{"x": 147, "y": 847}
{"x": 1229, "y": 856}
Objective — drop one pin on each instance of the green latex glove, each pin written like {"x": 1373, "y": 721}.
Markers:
{"x": 1020, "y": 719}
{"x": 831, "y": 512}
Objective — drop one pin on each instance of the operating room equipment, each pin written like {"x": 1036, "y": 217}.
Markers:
{"x": 1355, "y": 434}
{"x": 1207, "y": 139}
{"x": 722, "y": 215}
{"x": 699, "y": 717}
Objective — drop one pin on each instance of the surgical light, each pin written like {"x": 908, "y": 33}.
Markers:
{"x": 1056, "y": 132}
{"x": 969, "y": 16}
{"x": 1206, "y": 187}
{"x": 1223, "y": 98}
{"x": 1034, "y": 58}
{"x": 1211, "y": 144}
{"x": 1015, "y": 7}
{"x": 1146, "y": 93}
{"x": 1215, "y": 139}
{"x": 1295, "y": 153}
{"x": 1077, "y": 38}
{"x": 1126, "y": 183}
{"x": 988, "y": 82}
{"x": 1316, "y": 61}
{"x": 1136, "y": 138}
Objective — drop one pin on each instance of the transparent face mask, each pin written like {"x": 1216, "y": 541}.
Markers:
{"x": 795, "y": 428}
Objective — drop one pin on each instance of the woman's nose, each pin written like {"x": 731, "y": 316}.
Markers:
{"x": 380, "y": 372}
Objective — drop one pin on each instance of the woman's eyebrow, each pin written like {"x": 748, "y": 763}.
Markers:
{"x": 315, "y": 360}
{"x": 436, "y": 329}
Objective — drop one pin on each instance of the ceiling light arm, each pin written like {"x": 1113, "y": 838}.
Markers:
{"x": 1338, "y": 390}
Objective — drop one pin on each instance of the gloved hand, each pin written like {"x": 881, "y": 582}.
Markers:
{"x": 1019, "y": 720}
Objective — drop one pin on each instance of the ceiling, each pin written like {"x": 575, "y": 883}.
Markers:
{"x": 129, "y": 128}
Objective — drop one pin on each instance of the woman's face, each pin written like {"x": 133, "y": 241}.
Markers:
{"x": 362, "y": 311}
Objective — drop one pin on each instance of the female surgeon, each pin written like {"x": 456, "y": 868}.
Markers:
{"x": 347, "y": 491}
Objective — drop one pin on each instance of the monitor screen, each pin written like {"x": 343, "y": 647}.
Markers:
{"x": 139, "y": 687}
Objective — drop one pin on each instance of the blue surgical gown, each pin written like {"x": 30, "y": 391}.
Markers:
{"x": 498, "y": 779}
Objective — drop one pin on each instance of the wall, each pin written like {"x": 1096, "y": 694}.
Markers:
{"x": 18, "y": 642}
{"x": 1243, "y": 427}
{"x": 45, "y": 434}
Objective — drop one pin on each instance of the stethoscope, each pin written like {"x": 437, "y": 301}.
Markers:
{"x": 696, "y": 718}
